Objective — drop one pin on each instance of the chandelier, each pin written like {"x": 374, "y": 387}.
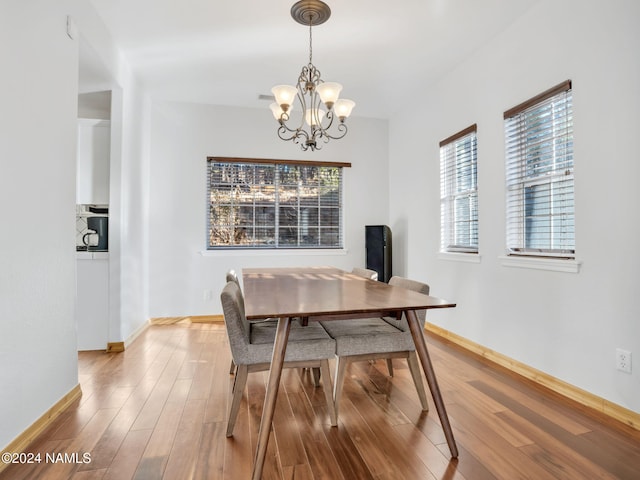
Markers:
{"x": 319, "y": 105}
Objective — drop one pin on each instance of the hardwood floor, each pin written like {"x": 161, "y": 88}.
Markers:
{"x": 157, "y": 411}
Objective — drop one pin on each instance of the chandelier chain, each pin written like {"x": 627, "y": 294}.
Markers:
{"x": 310, "y": 43}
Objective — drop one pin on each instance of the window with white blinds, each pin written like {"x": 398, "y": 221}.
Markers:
{"x": 539, "y": 175}
{"x": 459, "y": 192}
{"x": 274, "y": 204}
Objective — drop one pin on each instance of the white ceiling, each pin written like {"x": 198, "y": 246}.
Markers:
{"x": 228, "y": 53}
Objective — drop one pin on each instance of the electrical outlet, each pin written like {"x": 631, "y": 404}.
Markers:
{"x": 208, "y": 295}
{"x": 623, "y": 360}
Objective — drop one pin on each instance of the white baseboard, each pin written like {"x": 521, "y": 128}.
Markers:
{"x": 594, "y": 402}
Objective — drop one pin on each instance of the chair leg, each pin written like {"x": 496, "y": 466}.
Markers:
{"x": 236, "y": 396}
{"x": 232, "y": 368}
{"x": 390, "y": 367}
{"x": 341, "y": 368}
{"x": 414, "y": 368}
{"x": 328, "y": 392}
{"x": 316, "y": 376}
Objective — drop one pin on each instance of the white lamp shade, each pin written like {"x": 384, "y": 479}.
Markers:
{"x": 311, "y": 119}
{"x": 329, "y": 92}
{"x": 343, "y": 108}
{"x": 277, "y": 110}
{"x": 285, "y": 94}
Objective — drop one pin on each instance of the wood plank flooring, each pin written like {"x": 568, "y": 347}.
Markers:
{"x": 157, "y": 411}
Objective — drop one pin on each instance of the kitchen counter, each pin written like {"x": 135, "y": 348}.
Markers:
{"x": 92, "y": 255}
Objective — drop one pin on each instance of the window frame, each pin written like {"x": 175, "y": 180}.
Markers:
{"x": 520, "y": 234}
{"x": 276, "y": 206}
{"x": 449, "y": 215}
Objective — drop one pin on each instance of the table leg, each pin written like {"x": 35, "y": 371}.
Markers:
{"x": 423, "y": 354}
{"x": 279, "y": 349}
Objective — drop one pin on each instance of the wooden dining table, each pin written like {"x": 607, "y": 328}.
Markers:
{"x": 325, "y": 293}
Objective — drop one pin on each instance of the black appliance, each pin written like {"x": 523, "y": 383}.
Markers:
{"x": 378, "y": 250}
{"x": 99, "y": 227}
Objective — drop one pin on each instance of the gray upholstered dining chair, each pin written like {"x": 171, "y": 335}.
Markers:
{"x": 365, "y": 273}
{"x": 231, "y": 276}
{"x": 251, "y": 346}
{"x": 376, "y": 338}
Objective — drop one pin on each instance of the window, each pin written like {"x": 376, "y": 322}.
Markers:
{"x": 539, "y": 173}
{"x": 274, "y": 204}
{"x": 459, "y": 192}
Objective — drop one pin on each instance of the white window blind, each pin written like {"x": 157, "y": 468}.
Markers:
{"x": 459, "y": 192}
{"x": 274, "y": 204}
{"x": 539, "y": 175}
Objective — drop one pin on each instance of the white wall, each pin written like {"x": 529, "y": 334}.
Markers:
{"x": 567, "y": 325}
{"x": 182, "y": 136}
{"x": 129, "y": 162}
{"x": 128, "y": 210}
{"x": 38, "y": 91}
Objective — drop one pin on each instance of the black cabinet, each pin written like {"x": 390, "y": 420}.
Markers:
{"x": 378, "y": 250}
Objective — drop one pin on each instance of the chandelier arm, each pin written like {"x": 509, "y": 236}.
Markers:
{"x": 298, "y": 136}
{"x": 286, "y": 133}
{"x": 282, "y": 133}
{"x": 330, "y": 116}
{"x": 314, "y": 75}
{"x": 285, "y": 117}
{"x": 287, "y": 128}
{"x": 303, "y": 78}
{"x": 301, "y": 94}
{"x": 342, "y": 128}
